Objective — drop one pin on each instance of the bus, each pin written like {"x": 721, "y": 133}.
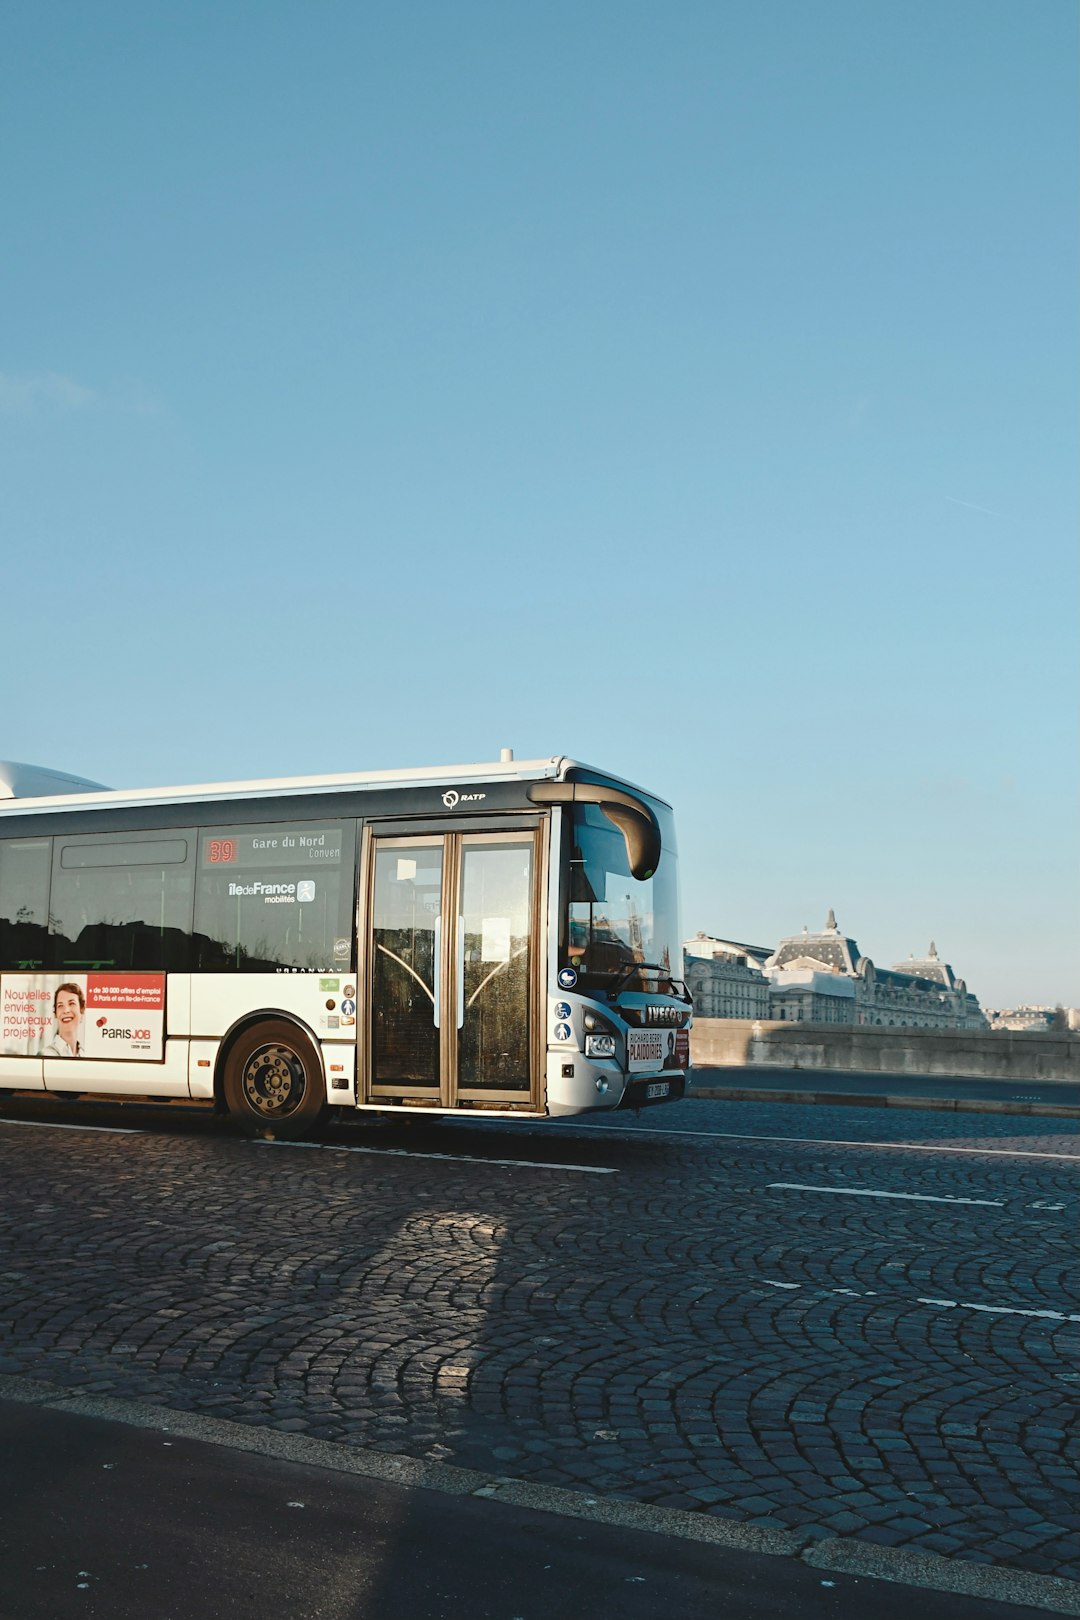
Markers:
{"x": 498, "y": 939}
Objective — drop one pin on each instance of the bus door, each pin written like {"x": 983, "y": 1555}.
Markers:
{"x": 451, "y": 968}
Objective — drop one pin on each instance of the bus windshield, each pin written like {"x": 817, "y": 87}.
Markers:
{"x": 621, "y": 933}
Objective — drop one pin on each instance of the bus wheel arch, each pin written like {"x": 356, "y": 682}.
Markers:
{"x": 269, "y": 1077}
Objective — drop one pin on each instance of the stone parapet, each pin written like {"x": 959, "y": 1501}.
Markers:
{"x": 978, "y": 1054}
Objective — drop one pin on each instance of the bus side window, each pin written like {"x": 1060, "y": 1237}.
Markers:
{"x": 275, "y": 897}
{"x": 123, "y": 902}
{"x": 24, "y": 903}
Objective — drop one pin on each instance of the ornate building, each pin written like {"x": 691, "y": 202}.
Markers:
{"x": 815, "y": 977}
{"x": 1042, "y": 1020}
{"x": 824, "y": 978}
{"x": 725, "y": 978}
{"x": 930, "y": 969}
{"x": 921, "y": 994}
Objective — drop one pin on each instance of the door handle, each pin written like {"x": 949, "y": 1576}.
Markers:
{"x": 437, "y": 976}
{"x": 460, "y": 971}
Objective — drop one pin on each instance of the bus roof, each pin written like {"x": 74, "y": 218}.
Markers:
{"x": 45, "y": 789}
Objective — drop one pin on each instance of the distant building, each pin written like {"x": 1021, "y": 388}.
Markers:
{"x": 922, "y": 994}
{"x": 930, "y": 969}
{"x": 823, "y": 978}
{"x": 815, "y": 977}
{"x": 708, "y": 947}
{"x": 817, "y": 998}
{"x": 725, "y": 979}
{"x": 1034, "y": 1018}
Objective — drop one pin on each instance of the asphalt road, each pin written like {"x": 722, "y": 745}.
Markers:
{"x": 855, "y": 1325}
{"x": 104, "y": 1519}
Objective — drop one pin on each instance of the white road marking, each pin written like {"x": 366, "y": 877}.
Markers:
{"x": 945, "y": 1304}
{"x": 454, "y": 1158}
{"x": 867, "y": 1192}
{"x": 832, "y": 1141}
{"x": 999, "y": 1310}
{"x": 54, "y": 1125}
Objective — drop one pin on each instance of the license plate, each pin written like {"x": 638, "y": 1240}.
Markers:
{"x": 658, "y": 1088}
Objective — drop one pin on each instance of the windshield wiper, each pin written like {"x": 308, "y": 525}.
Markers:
{"x": 622, "y": 975}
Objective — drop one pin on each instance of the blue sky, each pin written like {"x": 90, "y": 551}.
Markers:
{"x": 687, "y": 388}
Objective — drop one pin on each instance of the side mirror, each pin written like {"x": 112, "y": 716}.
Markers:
{"x": 636, "y": 822}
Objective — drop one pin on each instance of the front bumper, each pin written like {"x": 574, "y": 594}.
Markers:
{"x": 637, "y": 1092}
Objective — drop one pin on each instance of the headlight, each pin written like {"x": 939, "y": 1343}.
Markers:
{"x": 600, "y": 1046}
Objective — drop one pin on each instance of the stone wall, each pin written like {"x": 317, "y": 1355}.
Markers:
{"x": 993, "y": 1055}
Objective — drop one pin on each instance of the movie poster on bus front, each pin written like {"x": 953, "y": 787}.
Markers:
{"x": 83, "y": 1015}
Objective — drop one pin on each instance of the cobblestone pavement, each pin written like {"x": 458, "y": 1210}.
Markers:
{"x": 728, "y": 1323}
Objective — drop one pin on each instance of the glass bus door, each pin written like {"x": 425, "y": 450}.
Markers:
{"x": 451, "y": 969}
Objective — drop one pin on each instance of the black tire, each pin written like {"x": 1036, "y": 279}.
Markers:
{"x": 273, "y": 1082}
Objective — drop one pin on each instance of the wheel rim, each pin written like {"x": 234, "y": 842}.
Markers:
{"x": 274, "y": 1082}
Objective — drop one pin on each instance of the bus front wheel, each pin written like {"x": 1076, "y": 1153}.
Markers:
{"x": 273, "y": 1081}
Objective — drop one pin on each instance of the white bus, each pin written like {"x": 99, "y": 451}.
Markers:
{"x": 502, "y": 938}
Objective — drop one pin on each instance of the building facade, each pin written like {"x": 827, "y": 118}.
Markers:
{"x": 799, "y": 994}
{"x": 823, "y": 978}
{"x": 1040, "y": 1019}
{"x": 725, "y": 978}
{"x": 922, "y": 993}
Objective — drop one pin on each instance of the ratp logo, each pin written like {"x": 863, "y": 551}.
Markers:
{"x": 451, "y": 798}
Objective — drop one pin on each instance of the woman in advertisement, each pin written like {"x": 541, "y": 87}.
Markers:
{"x": 69, "y": 1004}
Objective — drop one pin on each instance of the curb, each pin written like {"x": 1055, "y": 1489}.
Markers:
{"x": 809, "y": 1543}
{"x": 959, "y": 1105}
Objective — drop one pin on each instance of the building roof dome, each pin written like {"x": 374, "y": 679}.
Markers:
{"x": 829, "y": 950}
{"x": 929, "y": 967}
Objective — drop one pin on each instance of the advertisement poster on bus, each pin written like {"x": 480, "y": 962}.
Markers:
{"x": 652, "y": 1049}
{"x": 83, "y": 1015}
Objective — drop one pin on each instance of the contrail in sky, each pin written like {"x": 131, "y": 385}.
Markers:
{"x": 972, "y": 507}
